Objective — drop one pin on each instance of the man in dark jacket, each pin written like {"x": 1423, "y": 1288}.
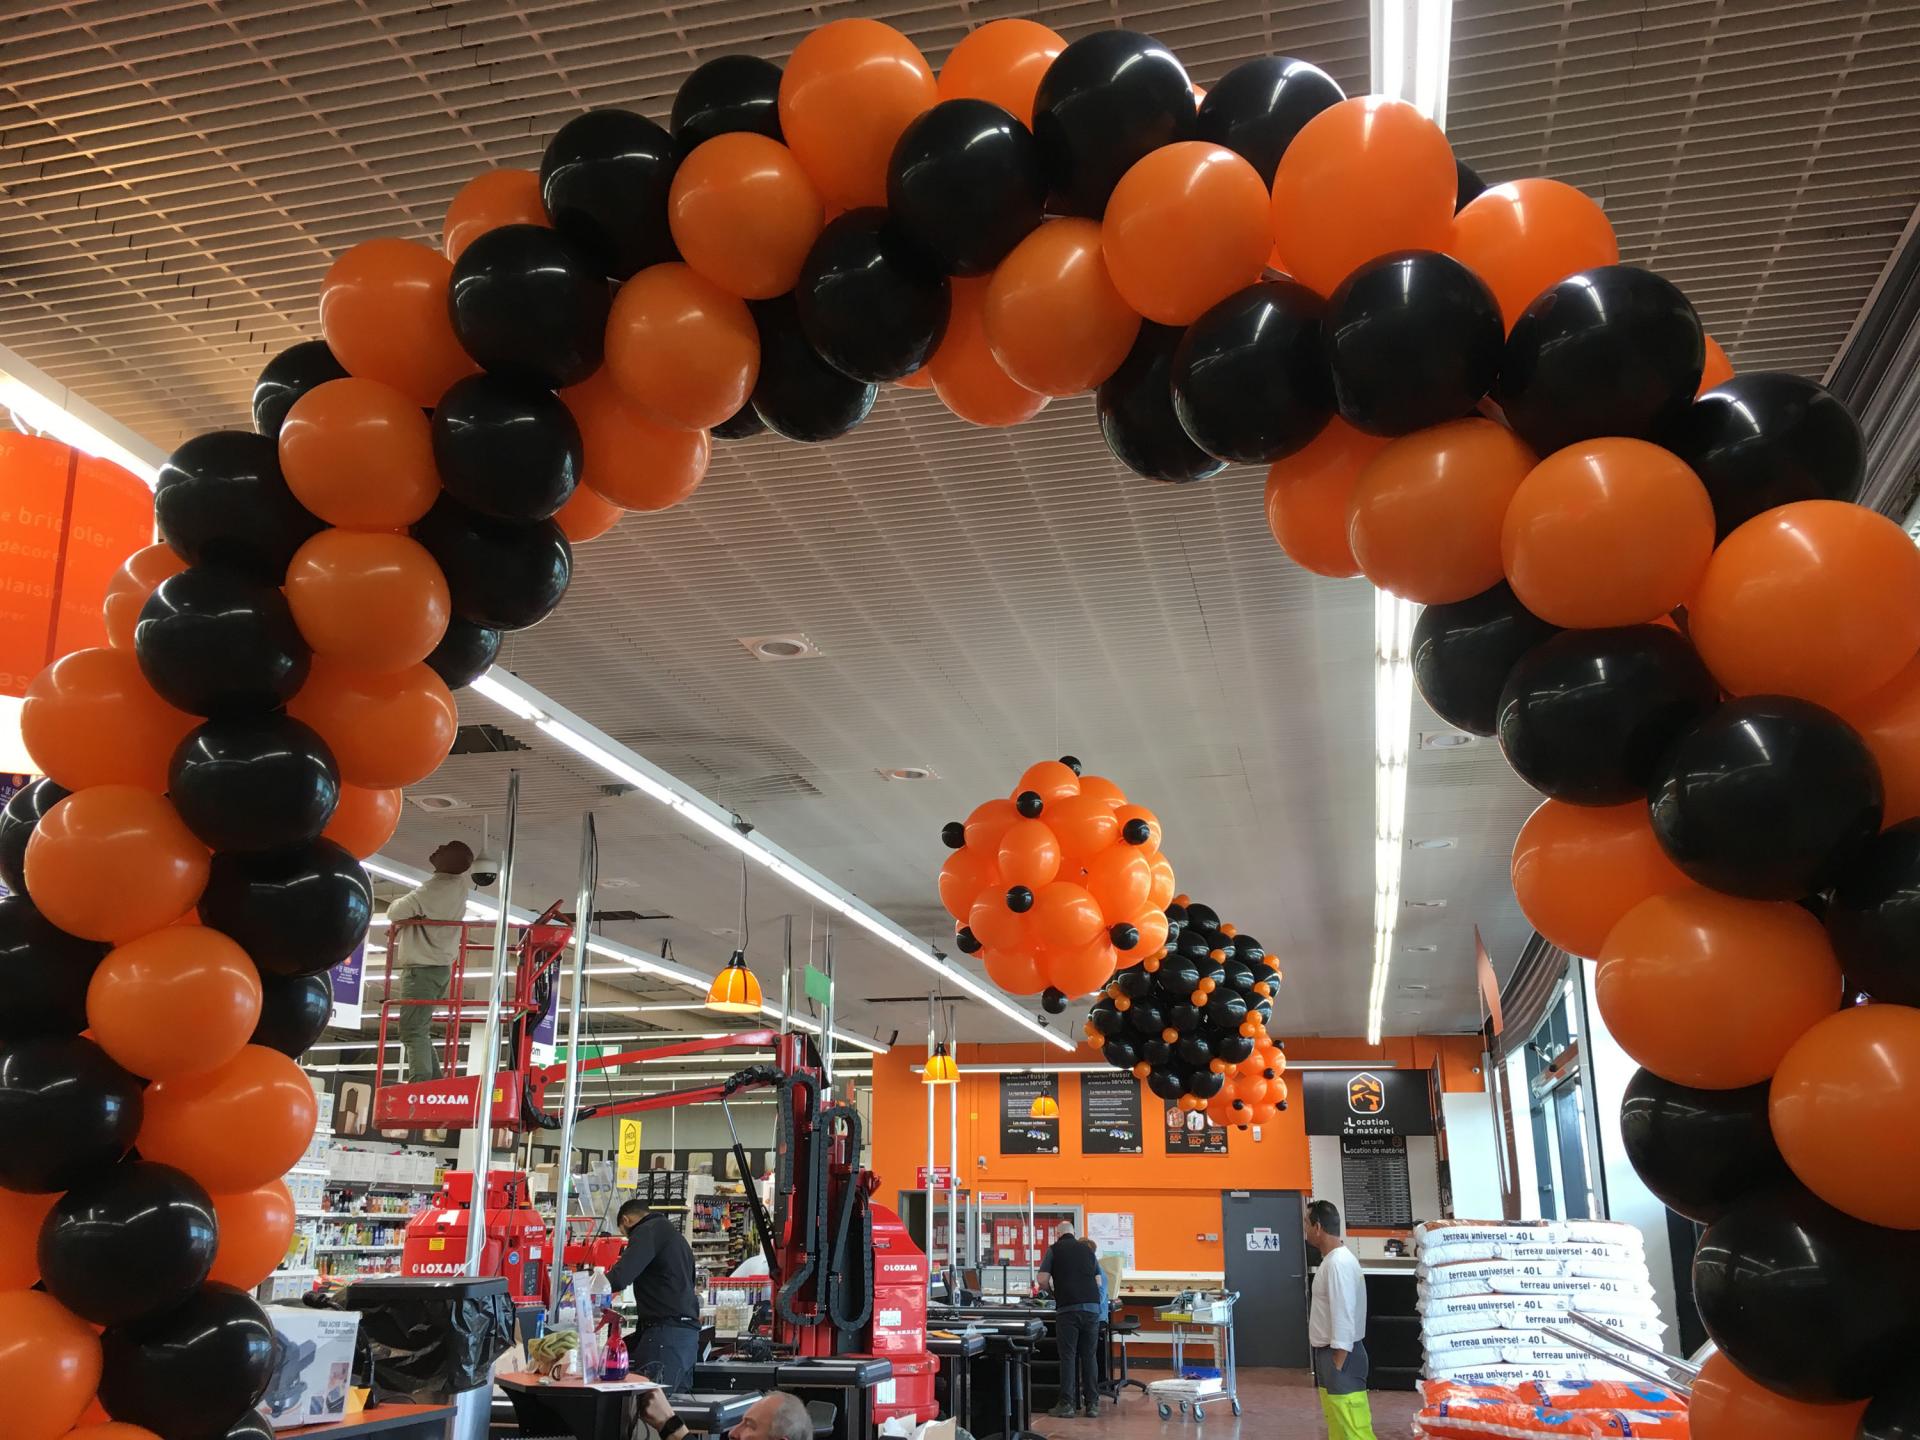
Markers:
{"x": 658, "y": 1264}
{"x": 1071, "y": 1272}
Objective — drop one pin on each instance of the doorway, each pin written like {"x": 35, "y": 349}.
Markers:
{"x": 1267, "y": 1264}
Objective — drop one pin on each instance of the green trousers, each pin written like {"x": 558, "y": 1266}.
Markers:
{"x": 421, "y": 982}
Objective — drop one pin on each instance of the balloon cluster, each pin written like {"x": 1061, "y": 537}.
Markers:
{"x": 1191, "y": 1020}
{"x": 1056, "y": 886}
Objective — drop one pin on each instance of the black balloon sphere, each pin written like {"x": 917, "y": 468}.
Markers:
{"x": 530, "y": 305}
{"x": 740, "y": 425}
{"x": 1413, "y": 338}
{"x": 192, "y": 1372}
{"x": 1769, "y": 797}
{"x": 296, "y": 912}
{"x": 289, "y": 375}
{"x": 1137, "y": 416}
{"x": 255, "y": 782}
{"x": 965, "y": 185}
{"x": 506, "y": 448}
{"x": 798, "y": 395}
{"x": 1699, "y": 1151}
{"x": 604, "y": 179}
{"x": 464, "y": 653}
{"x": 293, "y": 1012}
{"x": 1260, "y": 105}
{"x": 221, "y": 500}
{"x": 44, "y": 973}
{"x": 67, "y": 1113}
{"x": 1463, "y": 653}
{"x": 132, "y": 1242}
{"x": 1612, "y": 351}
{"x": 1250, "y": 377}
{"x": 870, "y": 304}
{"x": 1587, "y": 716}
{"x": 1894, "y": 1413}
{"x": 1873, "y": 916}
{"x": 1764, "y": 439}
{"x": 502, "y": 574}
{"x": 18, "y": 817}
{"x": 1109, "y": 99}
{"x": 726, "y": 96}
{"x": 213, "y": 642}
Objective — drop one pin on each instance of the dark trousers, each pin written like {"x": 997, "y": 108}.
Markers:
{"x": 665, "y": 1353}
{"x": 1077, "y": 1332}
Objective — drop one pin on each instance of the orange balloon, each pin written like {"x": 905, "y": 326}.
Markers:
{"x": 256, "y": 1227}
{"x": 383, "y": 313}
{"x": 1152, "y": 925}
{"x": 1084, "y": 824}
{"x": 130, "y": 586}
{"x": 1054, "y": 321}
{"x": 234, "y": 1128}
{"x": 1014, "y": 971}
{"x": 49, "y": 1365}
{"x": 1427, "y": 510}
{"x": 1607, "y": 532}
{"x": 91, "y": 718}
{"x": 359, "y": 454}
{"x": 1310, "y": 493}
{"x": 1527, "y": 236}
{"x": 997, "y": 927}
{"x": 368, "y": 599}
{"x": 364, "y": 820}
{"x": 849, "y": 89}
{"x": 1819, "y": 599}
{"x": 1099, "y": 787}
{"x": 920, "y": 379}
{"x": 586, "y": 516}
{"x": 989, "y": 821}
{"x": 1719, "y": 368}
{"x": 1029, "y": 854}
{"x": 744, "y": 214}
{"x": 1066, "y": 917}
{"x": 112, "y": 862}
{"x": 963, "y": 875}
{"x": 1081, "y": 969}
{"x": 683, "y": 350}
{"x": 174, "y": 1002}
{"x": 1120, "y": 879}
{"x": 1124, "y": 813}
{"x": 1160, "y": 893}
{"x": 966, "y": 377}
{"x": 1049, "y": 779}
{"x": 1726, "y": 1405}
{"x": 20, "y": 1217}
{"x": 1001, "y": 62}
{"x": 1578, "y": 868}
{"x": 1763, "y": 971}
{"x": 385, "y": 730}
{"x": 1185, "y": 228}
{"x": 1889, "y": 721}
{"x": 491, "y": 199}
{"x": 1843, "y": 1105}
{"x": 626, "y": 458}
{"x": 1363, "y": 177}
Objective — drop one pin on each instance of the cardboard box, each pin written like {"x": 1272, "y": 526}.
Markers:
{"x": 315, "y": 1367}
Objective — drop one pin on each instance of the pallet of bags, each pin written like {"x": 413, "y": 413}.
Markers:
{"x": 1455, "y": 1411}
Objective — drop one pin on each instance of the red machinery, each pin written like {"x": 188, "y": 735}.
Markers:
{"x": 516, "y": 1244}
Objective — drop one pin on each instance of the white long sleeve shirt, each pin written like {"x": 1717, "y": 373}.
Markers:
{"x": 1338, "y": 1317}
{"x": 438, "y": 897}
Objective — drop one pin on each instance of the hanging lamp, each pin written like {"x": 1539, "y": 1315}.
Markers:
{"x": 940, "y": 1068}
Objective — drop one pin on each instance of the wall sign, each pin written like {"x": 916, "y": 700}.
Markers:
{"x": 626, "y": 1163}
{"x": 1189, "y": 1132}
{"x": 1109, "y": 1113}
{"x": 1374, "y": 1182}
{"x": 1368, "y": 1102}
{"x": 1021, "y": 1131}
{"x": 349, "y": 979}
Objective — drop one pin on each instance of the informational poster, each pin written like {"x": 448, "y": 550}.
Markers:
{"x": 1374, "y": 1181}
{"x": 1109, "y": 1113}
{"x": 1022, "y": 1130}
{"x": 1368, "y": 1102}
{"x": 626, "y": 1155}
{"x": 543, "y": 1028}
{"x": 349, "y": 980}
{"x": 1111, "y": 1233}
{"x": 1189, "y": 1132}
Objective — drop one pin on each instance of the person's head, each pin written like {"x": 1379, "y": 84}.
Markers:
{"x": 452, "y": 858}
{"x": 1064, "y": 1233}
{"x": 1323, "y": 1225}
{"x": 630, "y": 1215}
{"x": 775, "y": 1416}
{"x": 1087, "y": 1240}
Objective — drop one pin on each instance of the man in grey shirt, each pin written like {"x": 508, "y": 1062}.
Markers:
{"x": 424, "y": 953}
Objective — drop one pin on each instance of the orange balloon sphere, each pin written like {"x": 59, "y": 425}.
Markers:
{"x": 1001, "y": 62}
{"x": 364, "y": 820}
{"x": 368, "y": 599}
{"x": 1889, "y": 721}
{"x": 1726, "y": 1405}
{"x": 966, "y": 377}
{"x": 174, "y": 1002}
{"x": 491, "y": 199}
{"x": 1819, "y": 599}
{"x": 1578, "y": 868}
{"x": 20, "y": 1217}
{"x": 256, "y": 1227}
{"x": 385, "y": 730}
{"x": 383, "y": 313}
{"x": 1527, "y": 236}
{"x": 1843, "y": 1105}
{"x": 91, "y": 718}
{"x": 1310, "y": 495}
{"x": 1185, "y": 228}
{"x": 129, "y": 588}
{"x": 1762, "y": 969}
{"x": 848, "y": 91}
{"x": 586, "y": 516}
{"x": 359, "y": 454}
{"x": 744, "y": 214}
{"x": 681, "y": 348}
{"x": 113, "y": 862}
{"x": 1054, "y": 321}
{"x": 1066, "y": 917}
{"x": 1607, "y": 532}
{"x": 233, "y": 1128}
{"x": 628, "y": 459}
{"x": 1427, "y": 510}
{"x": 1014, "y": 971}
{"x": 1719, "y": 368}
{"x": 49, "y": 1365}
{"x": 1363, "y": 177}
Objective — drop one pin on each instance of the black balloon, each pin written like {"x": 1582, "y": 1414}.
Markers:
{"x": 1612, "y": 351}
{"x": 1764, "y": 439}
{"x": 130, "y": 1243}
{"x": 604, "y": 179}
{"x": 296, "y": 912}
{"x": 530, "y": 305}
{"x": 1413, "y": 338}
{"x": 1134, "y": 982}
{"x": 1249, "y": 376}
{"x": 256, "y": 782}
{"x": 870, "y": 304}
{"x": 252, "y": 1426}
{"x": 1768, "y": 797}
{"x": 1205, "y": 1083}
{"x": 213, "y": 642}
{"x": 1147, "y": 1018}
{"x": 1780, "y": 1267}
{"x": 1196, "y": 1048}
{"x": 1106, "y": 1018}
{"x": 1467, "y": 185}
{"x": 293, "y": 1012}
{"x": 222, "y": 500}
{"x": 1137, "y": 417}
{"x": 798, "y": 395}
{"x": 44, "y": 973}
{"x": 1109, "y": 99}
{"x": 725, "y": 96}
{"x": 1894, "y": 1413}
{"x": 1233, "y": 1048}
{"x": 1202, "y": 917}
{"x": 1053, "y": 1001}
{"x": 508, "y": 449}
{"x": 502, "y": 574}
{"x": 192, "y": 1372}
{"x": 1260, "y": 105}
{"x": 1699, "y": 1151}
{"x": 1587, "y": 716}
{"x": 1224, "y": 1010}
{"x": 1167, "y": 1084}
{"x": 18, "y": 818}
{"x": 464, "y": 653}
{"x": 1183, "y": 1015}
{"x": 289, "y": 375}
{"x": 1463, "y": 653}
{"x": 740, "y": 425}
{"x": 67, "y": 1113}
{"x": 965, "y": 184}
{"x": 1120, "y": 1052}
{"x": 1873, "y": 916}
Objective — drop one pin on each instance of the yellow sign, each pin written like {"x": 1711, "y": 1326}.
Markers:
{"x": 626, "y": 1169}
{"x": 437, "y": 1243}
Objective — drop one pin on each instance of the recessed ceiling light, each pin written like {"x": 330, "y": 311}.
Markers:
{"x": 1446, "y": 739}
{"x": 790, "y": 645}
{"x": 1420, "y": 949}
{"x": 1426, "y": 904}
{"x": 1413, "y": 987}
{"x": 909, "y": 772}
{"x": 436, "y": 802}
{"x": 1433, "y": 842}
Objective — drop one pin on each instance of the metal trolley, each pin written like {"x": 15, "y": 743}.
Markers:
{"x": 1208, "y": 1320}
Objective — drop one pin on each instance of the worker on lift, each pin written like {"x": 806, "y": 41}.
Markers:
{"x": 658, "y": 1264}
{"x": 424, "y": 954}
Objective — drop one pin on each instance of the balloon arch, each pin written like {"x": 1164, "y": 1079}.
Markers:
{"x": 1665, "y": 606}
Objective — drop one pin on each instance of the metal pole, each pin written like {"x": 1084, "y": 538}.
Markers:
{"x": 826, "y": 1023}
{"x": 582, "y": 924}
{"x": 1033, "y": 1248}
{"x": 482, "y": 1159}
{"x": 927, "y": 1085}
{"x": 786, "y": 984}
{"x": 953, "y": 1148}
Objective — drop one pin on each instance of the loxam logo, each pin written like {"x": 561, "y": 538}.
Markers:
{"x": 1366, "y": 1095}
{"x": 449, "y": 1267}
{"x": 442, "y": 1099}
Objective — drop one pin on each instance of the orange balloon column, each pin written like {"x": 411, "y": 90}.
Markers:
{"x": 371, "y": 600}
{"x": 359, "y": 454}
{"x": 385, "y": 730}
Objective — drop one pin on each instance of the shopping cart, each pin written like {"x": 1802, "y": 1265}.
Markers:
{"x": 1204, "y": 1319}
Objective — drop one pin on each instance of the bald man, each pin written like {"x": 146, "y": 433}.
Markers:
{"x": 424, "y": 954}
{"x": 774, "y": 1416}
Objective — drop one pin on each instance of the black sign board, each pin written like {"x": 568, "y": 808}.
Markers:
{"x": 1109, "y": 1113}
{"x": 1374, "y": 1184}
{"x": 1368, "y": 1102}
{"x": 1021, "y": 1131}
{"x": 1189, "y": 1132}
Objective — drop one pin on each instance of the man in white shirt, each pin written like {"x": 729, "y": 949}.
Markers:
{"x": 424, "y": 954}
{"x": 1337, "y": 1328}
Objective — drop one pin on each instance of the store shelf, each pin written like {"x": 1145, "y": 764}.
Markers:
{"x": 358, "y": 1249}
{"x": 304, "y": 1272}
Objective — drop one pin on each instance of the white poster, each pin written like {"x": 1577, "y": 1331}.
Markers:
{"x": 1112, "y": 1234}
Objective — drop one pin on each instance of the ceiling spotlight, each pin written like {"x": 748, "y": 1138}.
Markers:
{"x": 1433, "y": 842}
{"x": 437, "y": 802}
{"x": 909, "y": 772}
{"x": 792, "y": 645}
{"x": 1425, "y": 904}
{"x": 1446, "y": 739}
{"x": 1420, "y": 949}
